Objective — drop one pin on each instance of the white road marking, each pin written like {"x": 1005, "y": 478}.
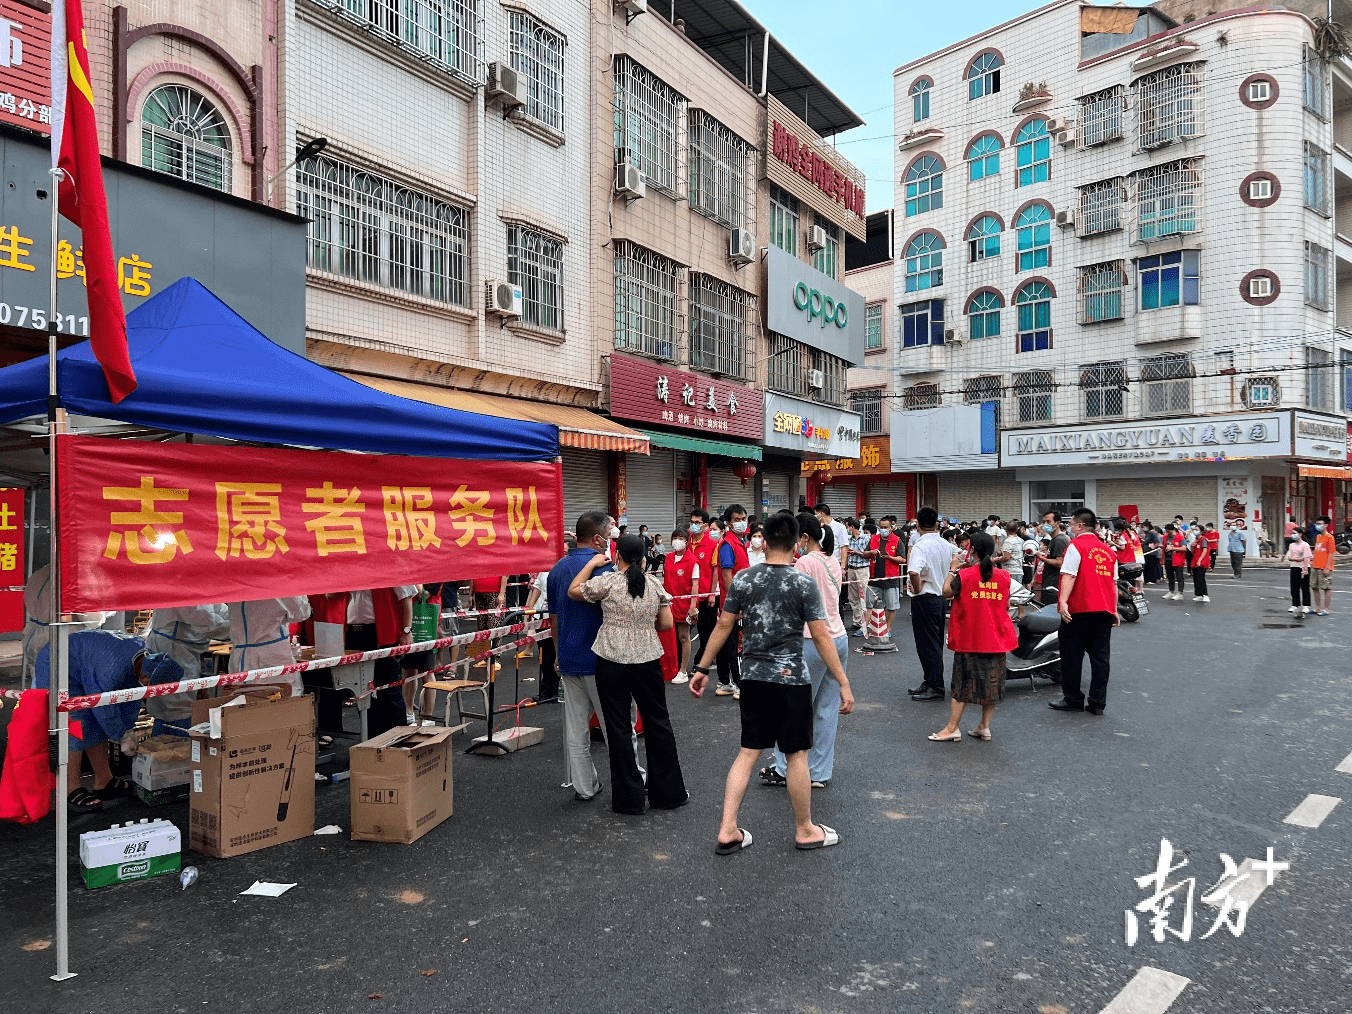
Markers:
{"x": 1247, "y": 890}
{"x": 1312, "y": 810}
{"x": 1346, "y": 766}
{"x": 1151, "y": 991}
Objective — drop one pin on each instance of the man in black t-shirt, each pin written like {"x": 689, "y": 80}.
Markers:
{"x": 1052, "y": 557}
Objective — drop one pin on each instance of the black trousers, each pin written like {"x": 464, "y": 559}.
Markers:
{"x": 1237, "y": 564}
{"x": 617, "y": 685}
{"x": 1174, "y": 574}
{"x": 1199, "y": 580}
{"x": 729, "y": 669}
{"x": 1086, "y": 634}
{"x": 705, "y": 622}
{"x": 387, "y": 706}
{"x": 927, "y": 624}
{"x": 328, "y": 701}
{"x": 1300, "y": 587}
{"x": 549, "y": 670}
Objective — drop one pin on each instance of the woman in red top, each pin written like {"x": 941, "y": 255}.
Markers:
{"x": 1200, "y": 564}
{"x": 979, "y": 634}
{"x": 680, "y": 572}
{"x": 1175, "y": 560}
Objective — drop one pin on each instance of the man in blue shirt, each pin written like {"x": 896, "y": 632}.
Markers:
{"x": 575, "y": 625}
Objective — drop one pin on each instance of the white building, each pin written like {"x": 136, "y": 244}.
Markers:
{"x": 1118, "y": 231}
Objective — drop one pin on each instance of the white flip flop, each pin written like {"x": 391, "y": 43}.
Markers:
{"x": 733, "y": 847}
{"x": 831, "y": 838}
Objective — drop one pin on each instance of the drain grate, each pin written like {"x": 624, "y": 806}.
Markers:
{"x": 1280, "y": 626}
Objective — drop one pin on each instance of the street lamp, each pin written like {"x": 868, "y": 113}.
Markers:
{"x": 308, "y": 150}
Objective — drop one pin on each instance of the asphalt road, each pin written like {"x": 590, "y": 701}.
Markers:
{"x": 971, "y": 877}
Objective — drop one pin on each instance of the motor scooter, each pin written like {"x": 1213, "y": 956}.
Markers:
{"x": 1039, "y": 649}
{"x": 1131, "y": 603}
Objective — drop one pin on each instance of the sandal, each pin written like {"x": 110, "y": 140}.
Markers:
{"x": 727, "y": 848}
{"x": 118, "y": 788}
{"x": 772, "y": 777}
{"x": 830, "y": 837}
{"x": 325, "y": 742}
{"x": 81, "y": 800}
{"x": 980, "y": 734}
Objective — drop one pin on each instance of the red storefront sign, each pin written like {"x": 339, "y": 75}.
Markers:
{"x": 157, "y": 525}
{"x": 25, "y": 66}
{"x": 802, "y": 158}
{"x": 12, "y": 572}
{"x": 655, "y": 393}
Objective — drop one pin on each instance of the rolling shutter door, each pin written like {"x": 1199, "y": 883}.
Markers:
{"x": 777, "y": 492}
{"x": 586, "y": 483}
{"x": 726, "y": 489}
{"x": 840, "y": 497}
{"x": 974, "y": 496}
{"x": 1158, "y": 500}
{"x": 651, "y": 481}
{"x": 886, "y": 498}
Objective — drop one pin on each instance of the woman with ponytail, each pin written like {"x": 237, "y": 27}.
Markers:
{"x": 629, "y": 671}
{"x": 979, "y": 634}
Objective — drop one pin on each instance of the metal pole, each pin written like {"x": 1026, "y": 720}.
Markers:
{"x": 59, "y": 656}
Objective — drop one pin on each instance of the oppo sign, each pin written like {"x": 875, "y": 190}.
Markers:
{"x": 812, "y": 307}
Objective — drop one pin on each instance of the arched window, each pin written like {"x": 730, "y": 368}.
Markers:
{"x": 983, "y": 238}
{"x": 983, "y": 157}
{"x": 924, "y": 262}
{"x": 983, "y": 76}
{"x": 983, "y": 315}
{"x": 1034, "y": 301}
{"x": 183, "y": 135}
{"x": 1034, "y": 150}
{"x": 924, "y": 186}
{"x": 920, "y": 92}
{"x": 1034, "y": 226}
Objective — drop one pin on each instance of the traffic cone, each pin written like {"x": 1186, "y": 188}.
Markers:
{"x": 877, "y": 638}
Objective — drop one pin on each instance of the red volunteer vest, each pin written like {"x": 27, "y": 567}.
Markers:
{"x": 893, "y": 548}
{"x": 389, "y": 617}
{"x": 1213, "y": 542}
{"x": 980, "y": 621}
{"x": 1126, "y": 553}
{"x": 487, "y": 585}
{"x": 26, "y": 783}
{"x": 1094, "y": 591}
{"x": 740, "y": 561}
{"x": 1201, "y": 553}
{"x": 678, "y": 579}
{"x": 705, "y": 551}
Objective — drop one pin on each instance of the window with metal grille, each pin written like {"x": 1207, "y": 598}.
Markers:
{"x": 790, "y": 368}
{"x": 1168, "y": 200}
{"x": 983, "y": 315}
{"x": 869, "y": 405}
{"x": 1171, "y": 279}
{"x": 1318, "y": 378}
{"x": 646, "y": 320}
{"x": 1033, "y": 148}
{"x": 1101, "y": 207}
{"x": 1168, "y": 105}
{"x": 370, "y": 228}
{"x": 1166, "y": 384}
{"x": 1261, "y": 392}
{"x": 1101, "y": 287}
{"x": 1104, "y": 386}
{"x": 984, "y": 391}
{"x": 1034, "y": 230}
{"x": 832, "y": 369}
{"x": 649, "y": 117}
{"x": 718, "y": 326}
{"x": 784, "y": 220}
{"x": 983, "y": 238}
{"x": 924, "y": 186}
{"x": 183, "y": 135}
{"x": 1316, "y": 178}
{"x": 873, "y": 327}
{"x": 1101, "y": 116}
{"x": 718, "y": 170}
{"x": 983, "y": 76}
{"x": 920, "y": 95}
{"x": 1314, "y": 86}
{"x": 536, "y": 53}
{"x": 1345, "y": 380}
{"x": 921, "y": 396}
{"x": 1317, "y": 275}
{"x": 827, "y": 259}
{"x": 1033, "y": 391}
{"x": 924, "y": 262}
{"x": 983, "y": 157}
{"x": 535, "y": 262}
{"x": 922, "y": 323}
{"x": 1034, "y": 302}
{"x": 449, "y": 33}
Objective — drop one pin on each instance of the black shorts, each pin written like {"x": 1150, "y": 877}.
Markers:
{"x": 776, "y": 714}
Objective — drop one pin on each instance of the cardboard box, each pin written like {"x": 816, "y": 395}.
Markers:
{"x": 253, "y": 781}
{"x": 162, "y": 762}
{"x": 129, "y": 852}
{"x": 401, "y": 784}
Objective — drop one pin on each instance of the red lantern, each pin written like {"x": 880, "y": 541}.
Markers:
{"x": 745, "y": 471}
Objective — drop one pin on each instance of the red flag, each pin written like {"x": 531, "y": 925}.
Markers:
{"x": 75, "y": 141}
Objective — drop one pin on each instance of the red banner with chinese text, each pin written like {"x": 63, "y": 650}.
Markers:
{"x": 155, "y": 525}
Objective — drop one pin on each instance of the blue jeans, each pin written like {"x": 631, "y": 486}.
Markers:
{"x": 821, "y": 759}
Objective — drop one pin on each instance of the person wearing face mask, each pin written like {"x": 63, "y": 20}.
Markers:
{"x": 732, "y": 560}
{"x": 1053, "y": 556}
{"x": 928, "y": 562}
{"x": 887, "y": 560}
{"x": 1175, "y": 559}
{"x": 857, "y": 557}
{"x": 705, "y": 550}
{"x": 680, "y": 575}
{"x": 1299, "y": 556}
{"x": 1324, "y": 548}
{"x": 755, "y": 548}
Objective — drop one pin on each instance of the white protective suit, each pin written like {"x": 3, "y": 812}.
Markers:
{"x": 183, "y": 633}
{"x": 260, "y": 633}
{"x": 37, "y": 609}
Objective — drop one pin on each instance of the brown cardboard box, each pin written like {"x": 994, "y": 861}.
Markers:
{"x": 401, "y": 784}
{"x": 253, "y": 785}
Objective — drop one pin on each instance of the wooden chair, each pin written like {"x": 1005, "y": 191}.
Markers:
{"x": 453, "y": 689}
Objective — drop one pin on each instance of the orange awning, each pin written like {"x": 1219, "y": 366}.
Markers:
{"x": 1324, "y": 472}
{"x": 577, "y": 426}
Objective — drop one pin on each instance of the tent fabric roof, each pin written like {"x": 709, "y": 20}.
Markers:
{"x": 202, "y": 368}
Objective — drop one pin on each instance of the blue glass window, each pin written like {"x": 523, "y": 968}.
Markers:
{"x": 983, "y": 315}
{"x": 1033, "y": 147}
{"x": 922, "y": 323}
{"x": 924, "y": 262}
{"x": 983, "y": 76}
{"x": 1170, "y": 279}
{"x": 983, "y": 157}
{"x": 983, "y": 238}
{"x": 1034, "y": 227}
{"x": 920, "y": 93}
{"x": 924, "y": 186}
{"x": 1034, "y": 301}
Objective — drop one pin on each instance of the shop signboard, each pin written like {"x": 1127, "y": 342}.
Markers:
{"x": 25, "y": 65}
{"x": 812, "y": 307}
{"x": 1197, "y": 438}
{"x": 177, "y": 526}
{"x": 1320, "y": 437}
{"x": 250, "y": 256}
{"x": 12, "y": 559}
{"x": 810, "y": 428}
{"x": 875, "y": 458}
{"x": 660, "y": 393}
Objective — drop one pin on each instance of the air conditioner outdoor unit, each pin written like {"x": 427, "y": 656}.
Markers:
{"x": 505, "y": 85}
{"x": 951, "y": 337}
{"x": 1058, "y": 123}
{"x": 816, "y": 239}
{"x": 504, "y": 298}
{"x": 817, "y": 380}
{"x": 1065, "y": 218}
{"x": 1067, "y": 138}
{"x": 741, "y": 247}
{"x": 629, "y": 182}
{"x": 632, "y": 8}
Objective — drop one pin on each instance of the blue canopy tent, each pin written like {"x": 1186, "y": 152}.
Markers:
{"x": 202, "y": 368}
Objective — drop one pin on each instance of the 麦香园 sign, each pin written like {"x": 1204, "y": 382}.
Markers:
{"x": 1199, "y": 438}
{"x": 157, "y": 525}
